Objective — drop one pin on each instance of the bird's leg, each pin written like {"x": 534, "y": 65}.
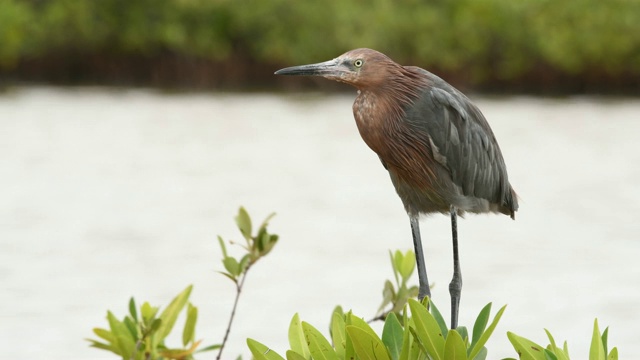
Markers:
{"x": 455, "y": 287}
{"x": 422, "y": 271}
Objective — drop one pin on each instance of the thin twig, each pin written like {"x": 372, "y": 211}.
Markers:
{"x": 233, "y": 311}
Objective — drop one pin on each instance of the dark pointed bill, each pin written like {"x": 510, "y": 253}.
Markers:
{"x": 331, "y": 67}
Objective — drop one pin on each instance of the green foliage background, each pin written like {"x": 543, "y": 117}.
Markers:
{"x": 543, "y": 42}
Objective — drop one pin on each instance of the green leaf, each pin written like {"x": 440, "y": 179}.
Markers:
{"x": 439, "y": 319}
{"x": 548, "y": 355}
{"x": 482, "y": 355}
{"x": 596, "y": 352}
{"x": 367, "y": 347}
{"x": 454, "y": 347}
{"x": 147, "y": 311}
{"x": 209, "y": 348}
{"x": 407, "y": 265}
{"x": 123, "y": 339}
{"x": 395, "y": 266}
{"x": 319, "y": 346}
{"x": 527, "y": 349}
{"x": 223, "y": 247}
{"x": 132, "y": 327}
{"x": 104, "y": 334}
{"x": 427, "y": 330}
{"x": 132, "y": 309}
{"x": 464, "y": 334}
{"x": 297, "y": 341}
{"x": 392, "y": 335}
{"x": 262, "y": 352}
{"x": 613, "y": 355}
{"x": 605, "y": 336}
{"x": 481, "y": 323}
{"x": 558, "y": 352}
{"x": 189, "y": 332}
{"x": 244, "y": 223}
{"x": 232, "y": 266}
{"x": 103, "y": 346}
{"x": 155, "y": 325}
{"x": 486, "y": 334}
{"x": 338, "y": 333}
{"x": 565, "y": 348}
{"x": 266, "y": 221}
{"x": 170, "y": 314}
{"x": 244, "y": 263}
{"x": 360, "y": 323}
{"x": 292, "y": 355}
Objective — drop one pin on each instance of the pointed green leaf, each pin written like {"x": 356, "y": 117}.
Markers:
{"x": 297, "y": 341}
{"x": 427, "y": 330}
{"x": 392, "y": 335}
{"x": 170, "y": 314}
{"x": 558, "y": 352}
{"x": 393, "y": 265}
{"x": 132, "y": 327}
{"x": 132, "y": 309}
{"x": 360, "y": 323}
{"x": 103, "y": 346}
{"x": 123, "y": 339}
{"x": 244, "y": 223}
{"x": 388, "y": 294}
{"x": 367, "y": 347}
{"x": 222, "y": 246}
{"x": 486, "y": 334}
{"x": 209, "y": 348}
{"x": 464, "y": 334}
{"x": 526, "y": 349}
{"x": 481, "y": 323}
{"x": 244, "y": 263}
{"x": 338, "y": 333}
{"x": 262, "y": 352}
{"x": 596, "y": 352}
{"x": 613, "y": 355}
{"x": 454, "y": 347}
{"x": 104, "y": 334}
{"x": 319, "y": 346}
{"x": 292, "y": 355}
{"x": 155, "y": 325}
{"x": 548, "y": 355}
{"x": 439, "y": 319}
{"x": 266, "y": 221}
{"x": 605, "y": 336}
{"x": 189, "y": 332}
{"x": 552, "y": 341}
{"x": 406, "y": 338}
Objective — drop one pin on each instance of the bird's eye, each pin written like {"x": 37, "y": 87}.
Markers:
{"x": 358, "y": 63}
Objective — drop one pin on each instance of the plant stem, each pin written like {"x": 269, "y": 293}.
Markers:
{"x": 233, "y": 310}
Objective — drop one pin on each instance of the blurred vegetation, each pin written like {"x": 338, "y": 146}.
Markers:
{"x": 527, "y": 45}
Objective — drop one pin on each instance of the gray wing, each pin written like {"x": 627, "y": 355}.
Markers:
{"x": 462, "y": 142}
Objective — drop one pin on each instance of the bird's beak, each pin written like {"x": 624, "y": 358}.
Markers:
{"x": 330, "y": 69}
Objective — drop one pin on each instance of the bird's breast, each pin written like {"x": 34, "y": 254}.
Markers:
{"x": 370, "y": 119}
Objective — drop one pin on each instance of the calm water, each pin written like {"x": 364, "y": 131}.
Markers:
{"x": 109, "y": 194}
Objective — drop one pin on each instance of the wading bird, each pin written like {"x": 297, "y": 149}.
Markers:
{"x": 435, "y": 143}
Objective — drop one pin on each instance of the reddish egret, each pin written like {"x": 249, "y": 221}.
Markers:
{"x": 437, "y": 146}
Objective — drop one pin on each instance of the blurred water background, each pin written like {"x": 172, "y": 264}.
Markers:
{"x": 108, "y": 194}
{"x": 131, "y": 132}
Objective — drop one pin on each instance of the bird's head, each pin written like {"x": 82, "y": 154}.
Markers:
{"x": 362, "y": 68}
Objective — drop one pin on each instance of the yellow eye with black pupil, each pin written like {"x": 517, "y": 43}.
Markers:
{"x": 358, "y": 63}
